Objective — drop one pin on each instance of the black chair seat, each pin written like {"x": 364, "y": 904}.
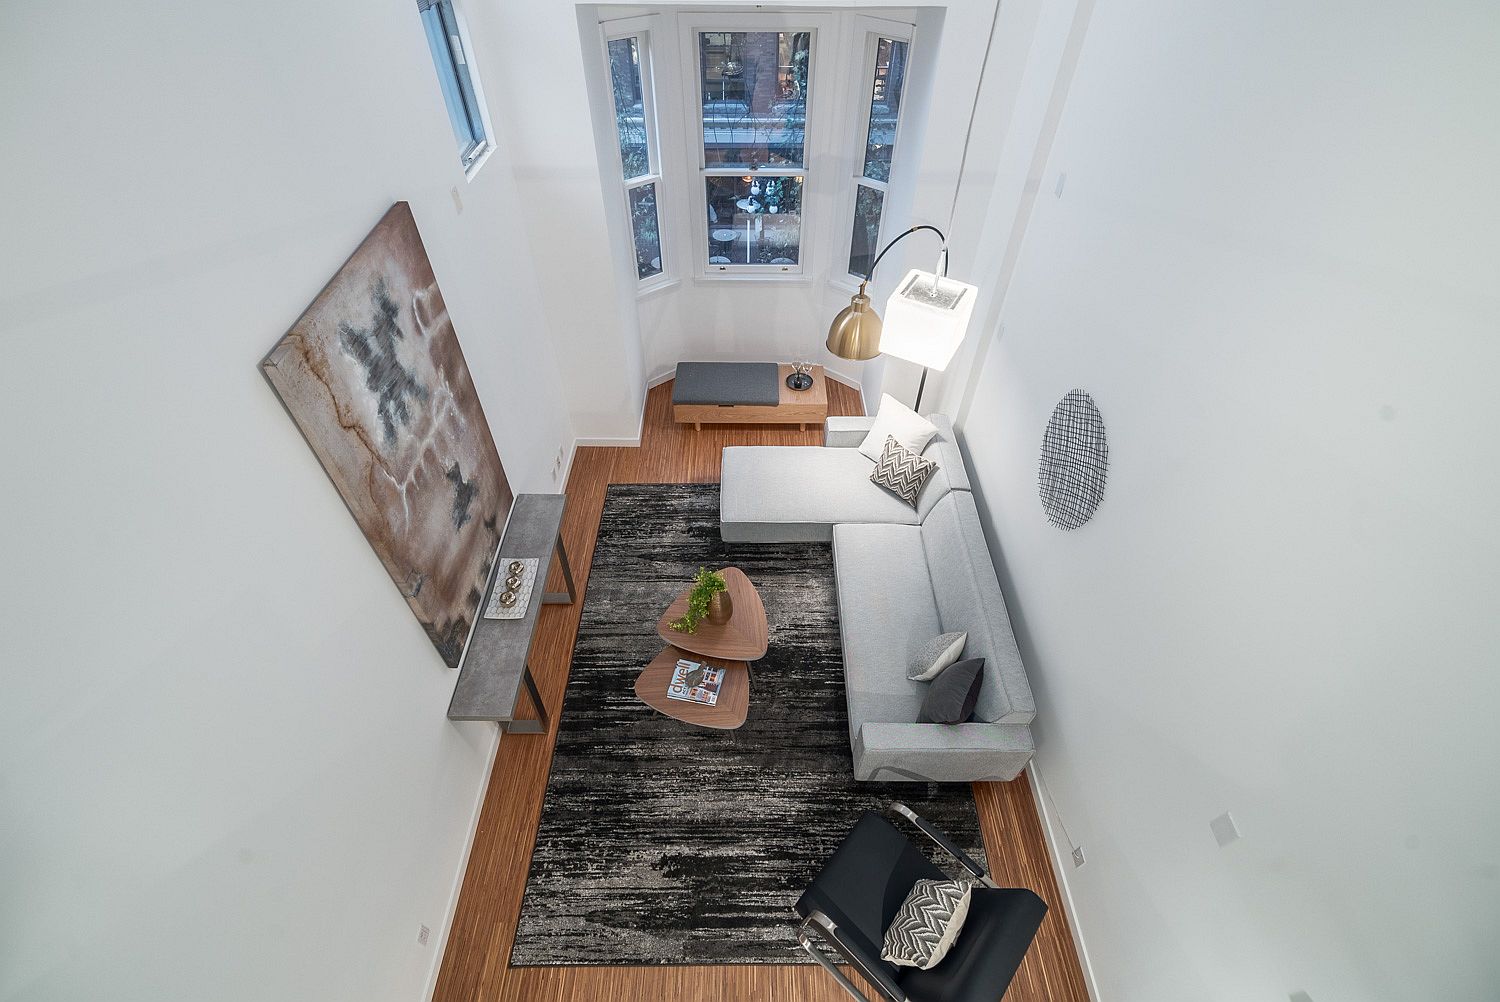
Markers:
{"x": 1000, "y": 926}
{"x": 863, "y": 885}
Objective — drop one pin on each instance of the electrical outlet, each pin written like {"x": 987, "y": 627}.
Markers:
{"x": 423, "y": 934}
{"x": 1224, "y": 829}
{"x": 1062, "y": 181}
{"x": 458, "y": 201}
{"x": 1078, "y": 856}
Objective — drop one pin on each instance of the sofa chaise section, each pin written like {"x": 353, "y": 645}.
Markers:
{"x": 795, "y": 494}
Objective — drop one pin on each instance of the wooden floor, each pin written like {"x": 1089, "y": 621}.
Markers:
{"x": 474, "y": 966}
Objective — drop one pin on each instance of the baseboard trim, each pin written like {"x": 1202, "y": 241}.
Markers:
{"x": 439, "y": 942}
{"x": 583, "y": 443}
{"x": 1061, "y": 855}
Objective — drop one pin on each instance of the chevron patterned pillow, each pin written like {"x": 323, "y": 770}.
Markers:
{"x": 901, "y": 471}
{"x": 927, "y": 923}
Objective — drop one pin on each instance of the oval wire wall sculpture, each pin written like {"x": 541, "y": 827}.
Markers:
{"x": 1075, "y": 461}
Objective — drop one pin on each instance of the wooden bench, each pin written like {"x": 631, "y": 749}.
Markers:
{"x": 746, "y": 393}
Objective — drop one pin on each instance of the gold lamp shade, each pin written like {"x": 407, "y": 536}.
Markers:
{"x": 855, "y": 332}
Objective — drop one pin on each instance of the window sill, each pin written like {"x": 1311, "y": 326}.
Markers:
{"x": 783, "y": 279}
{"x": 846, "y": 284}
{"x": 479, "y": 162}
{"x": 656, "y": 288}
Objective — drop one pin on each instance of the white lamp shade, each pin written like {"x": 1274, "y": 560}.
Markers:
{"x": 925, "y": 323}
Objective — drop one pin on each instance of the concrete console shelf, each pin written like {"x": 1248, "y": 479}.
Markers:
{"x": 495, "y": 668}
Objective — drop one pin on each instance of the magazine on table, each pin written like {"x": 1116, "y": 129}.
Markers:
{"x": 695, "y": 682}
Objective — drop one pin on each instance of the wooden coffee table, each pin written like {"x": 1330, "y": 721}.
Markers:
{"x": 744, "y": 638}
{"x": 730, "y": 646}
{"x": 734, "y": 696}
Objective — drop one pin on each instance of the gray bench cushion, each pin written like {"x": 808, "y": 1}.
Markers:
{"x": 886, "y": 606}
{"x": 968, "y": 598}
{"x": 792, "y": 493}
{"x": 754, "y": 384}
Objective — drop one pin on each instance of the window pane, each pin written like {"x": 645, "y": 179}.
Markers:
{"x": 754, "y": 90}
{"x": 643, "y": 228}
{"x": 453, "y": 75}
{"x": 862, "y": 250}
{"x": 630, "y": 107}
{"x": 754, "y": 220}
{"x": 885, "y": 107}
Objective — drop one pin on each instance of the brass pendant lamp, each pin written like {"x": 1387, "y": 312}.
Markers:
{"x": 855, "y": 332}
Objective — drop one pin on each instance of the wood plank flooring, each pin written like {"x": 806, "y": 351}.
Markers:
{"x": 474, "y": 967}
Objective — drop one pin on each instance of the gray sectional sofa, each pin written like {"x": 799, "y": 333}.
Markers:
{"x": 903, "y": 577}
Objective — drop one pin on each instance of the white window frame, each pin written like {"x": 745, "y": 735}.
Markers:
{"x": 640, "y": 30}
{"x": 874, "y": 29}
{"x": 821, "y": 77}
{"x": 474, "y": 157}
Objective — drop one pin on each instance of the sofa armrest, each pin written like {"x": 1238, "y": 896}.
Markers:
{"x": 944, "y": 753}
{"x": 842, "y": 432}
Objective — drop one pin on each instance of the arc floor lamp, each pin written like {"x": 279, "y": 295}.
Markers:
{"x": 925, "y": 318}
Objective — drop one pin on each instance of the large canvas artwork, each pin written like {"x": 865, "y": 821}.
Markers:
{"x": 373, "y": 375}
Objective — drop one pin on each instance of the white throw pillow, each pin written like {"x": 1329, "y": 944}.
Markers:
{"x": 898, "y": 421}
{"x": 940, "y": 652}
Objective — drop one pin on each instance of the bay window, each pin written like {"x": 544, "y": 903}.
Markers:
{"x": 757, "y": 145}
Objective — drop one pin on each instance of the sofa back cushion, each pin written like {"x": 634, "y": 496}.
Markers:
{"x": 969, "y": 599}
{"x": 950, "y": 474}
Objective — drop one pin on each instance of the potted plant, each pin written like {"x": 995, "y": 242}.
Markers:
{"x": 708, "y": 599}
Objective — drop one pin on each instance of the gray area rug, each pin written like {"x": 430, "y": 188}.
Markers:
{"x": 665, "y": 843}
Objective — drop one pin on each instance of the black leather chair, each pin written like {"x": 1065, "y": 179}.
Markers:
{"x": 855, "y": 896}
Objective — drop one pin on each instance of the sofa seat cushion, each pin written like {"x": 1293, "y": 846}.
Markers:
{"x": 885, "y": 607}
{"x": 968, "y": 598}
{"x": 776, "y": 494}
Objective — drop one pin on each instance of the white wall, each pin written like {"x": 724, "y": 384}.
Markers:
{"x": 225, "y": 771}
{"x": 1273, "y": 265}
{"x": 587, "y": 291}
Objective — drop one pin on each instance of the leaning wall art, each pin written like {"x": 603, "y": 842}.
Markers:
{"x": 373, "y": 375}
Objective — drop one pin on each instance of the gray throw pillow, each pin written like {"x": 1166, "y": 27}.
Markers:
{"x": 952, "y": 696}
{"x": 901, "y": 471}
{"x": 927, "y": 924}
{"x": 935, "y": 655}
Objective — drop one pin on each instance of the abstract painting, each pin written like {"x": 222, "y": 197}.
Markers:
{"x": 373, "y": 375}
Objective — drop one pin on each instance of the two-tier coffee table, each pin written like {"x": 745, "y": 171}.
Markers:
{"x": 731, "y": 646}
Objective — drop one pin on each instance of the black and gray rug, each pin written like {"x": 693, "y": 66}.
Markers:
{"x": 665, "y": 843}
